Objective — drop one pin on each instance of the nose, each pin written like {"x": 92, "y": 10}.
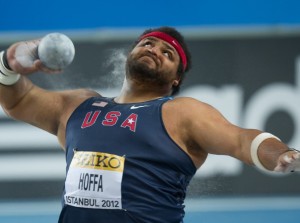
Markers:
{"x": 154, "y": 50}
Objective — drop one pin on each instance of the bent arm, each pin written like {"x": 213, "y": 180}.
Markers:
{"x": 48, "y": 110}
{"x": 27, "y": 102}
{"x": 31, "y": 104}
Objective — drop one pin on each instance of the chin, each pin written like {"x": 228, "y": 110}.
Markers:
{"x": 142, "y": 68}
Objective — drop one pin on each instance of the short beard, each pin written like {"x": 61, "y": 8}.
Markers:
{"x": 141, "y": 72}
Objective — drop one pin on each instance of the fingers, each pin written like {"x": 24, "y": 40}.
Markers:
{"x": 296, "y": 155}
{"x": 41, "y": 67}
{"x": 288, "y": 162}
{"x": 21, "y": 56}
{"x": 37, "y": 66}
{"x": 24, "y": 59}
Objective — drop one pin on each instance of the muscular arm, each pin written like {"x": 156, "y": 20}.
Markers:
{"x": 204, "y": 129}
{"x": 48, "y": 110}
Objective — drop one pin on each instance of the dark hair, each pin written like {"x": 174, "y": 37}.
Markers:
{"x": 177, "y": 35}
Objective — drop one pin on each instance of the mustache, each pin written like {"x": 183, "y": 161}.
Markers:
{"x": 153, "y": 56}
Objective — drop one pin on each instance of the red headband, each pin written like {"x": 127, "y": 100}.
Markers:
{"x": 172, "y": 41}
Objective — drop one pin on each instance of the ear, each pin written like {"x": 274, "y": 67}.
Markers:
{"x": 175, "y": 82}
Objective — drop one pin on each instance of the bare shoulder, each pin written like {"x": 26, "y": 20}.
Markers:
{"x": 79, "y": 93}
{"x": 189, "y": 113}
{"x": 73, "y": 98}
{"x": 187, "y": 101}
{"x": 70, "y": 99}
{"x": 188, "y": 106}
{"x": 185, "y": 119}
{"x": 192, "y": 113}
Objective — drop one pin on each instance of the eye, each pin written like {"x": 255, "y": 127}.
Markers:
{"x": 168, "y": 54}
{"x": 147, "y": 44}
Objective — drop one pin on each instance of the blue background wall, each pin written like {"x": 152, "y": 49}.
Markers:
{"x": 94, "y": 14}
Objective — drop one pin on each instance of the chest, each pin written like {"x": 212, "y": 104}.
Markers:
{"x": 134, "y": 132}
{"x": 93, "y": 126}
{"x": 113, "y": 118}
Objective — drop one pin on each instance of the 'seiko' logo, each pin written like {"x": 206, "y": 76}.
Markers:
{"x": 97, "y": 160}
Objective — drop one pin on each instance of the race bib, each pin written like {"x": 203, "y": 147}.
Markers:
{"x": 94, "y": 180}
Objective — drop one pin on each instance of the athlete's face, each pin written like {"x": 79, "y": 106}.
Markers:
{"x": 153, "y": 60}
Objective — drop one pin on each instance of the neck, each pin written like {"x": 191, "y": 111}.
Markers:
{"x": 133, "y": 91}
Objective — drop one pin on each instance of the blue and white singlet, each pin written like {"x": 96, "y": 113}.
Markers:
{"x": 122, "y": 166}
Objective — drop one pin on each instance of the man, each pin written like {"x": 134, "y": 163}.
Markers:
{"x": 130, "y": 158}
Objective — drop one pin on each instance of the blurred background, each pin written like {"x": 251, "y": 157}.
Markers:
{"x": 246, "y": 63}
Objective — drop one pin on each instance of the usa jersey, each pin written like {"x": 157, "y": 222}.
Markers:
{"x": 122, "y": 166}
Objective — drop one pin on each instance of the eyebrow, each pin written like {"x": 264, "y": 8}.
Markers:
{"x": 168, "y": 46}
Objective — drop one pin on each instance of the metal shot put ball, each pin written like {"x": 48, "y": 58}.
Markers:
{"x": 56, "y": 51}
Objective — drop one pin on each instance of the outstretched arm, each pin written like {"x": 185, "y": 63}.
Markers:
{"x": 214, "y": 134}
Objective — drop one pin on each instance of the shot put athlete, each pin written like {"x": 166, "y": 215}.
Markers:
{"x": 130, "y": 158}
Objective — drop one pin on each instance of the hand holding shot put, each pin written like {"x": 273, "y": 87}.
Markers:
{"x": 131, "y": 157}
{"x": 50, "y": 54}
